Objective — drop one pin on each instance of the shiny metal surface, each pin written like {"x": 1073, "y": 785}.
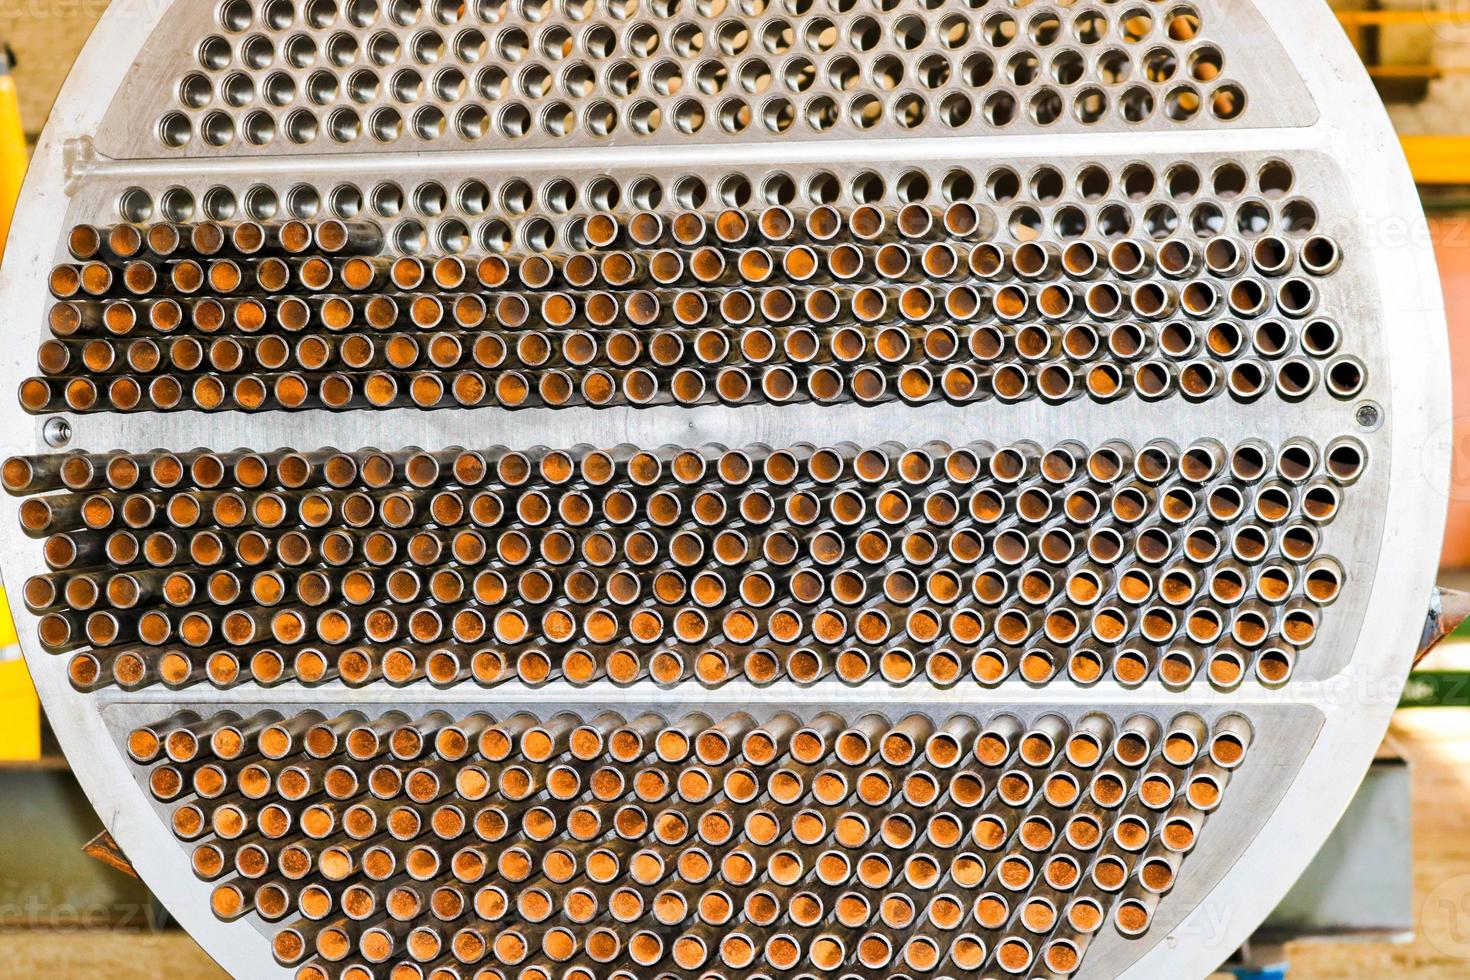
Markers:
{"x": 1309, "y": 158}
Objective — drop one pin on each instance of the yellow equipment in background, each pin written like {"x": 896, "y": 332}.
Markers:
{"x": 20, "y": 714}
{"x": 12, "y": 142}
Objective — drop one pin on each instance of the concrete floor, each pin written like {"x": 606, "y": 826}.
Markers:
{"x": 63, "y": 954}
{"x": 1437, "y": 740}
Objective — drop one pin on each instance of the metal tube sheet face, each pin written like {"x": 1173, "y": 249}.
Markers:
{"x": 720, "y": 489}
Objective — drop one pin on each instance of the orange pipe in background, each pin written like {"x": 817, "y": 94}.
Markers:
{"x": 1451, "y": 235}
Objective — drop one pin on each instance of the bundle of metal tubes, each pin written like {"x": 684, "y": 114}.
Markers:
{"x": 868, "y": 305}
{"x": 579, "y": 847}
{"x": 951, "y": 562}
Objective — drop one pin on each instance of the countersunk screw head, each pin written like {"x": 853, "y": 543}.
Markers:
{"x": 56, "y": 432}
{"x": 1369, "y": 416}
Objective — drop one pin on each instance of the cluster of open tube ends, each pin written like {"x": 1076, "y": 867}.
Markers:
{"x": 960, "y": 564}
{"x": 576, "y": 847}
{"x": 870, "y": 304}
